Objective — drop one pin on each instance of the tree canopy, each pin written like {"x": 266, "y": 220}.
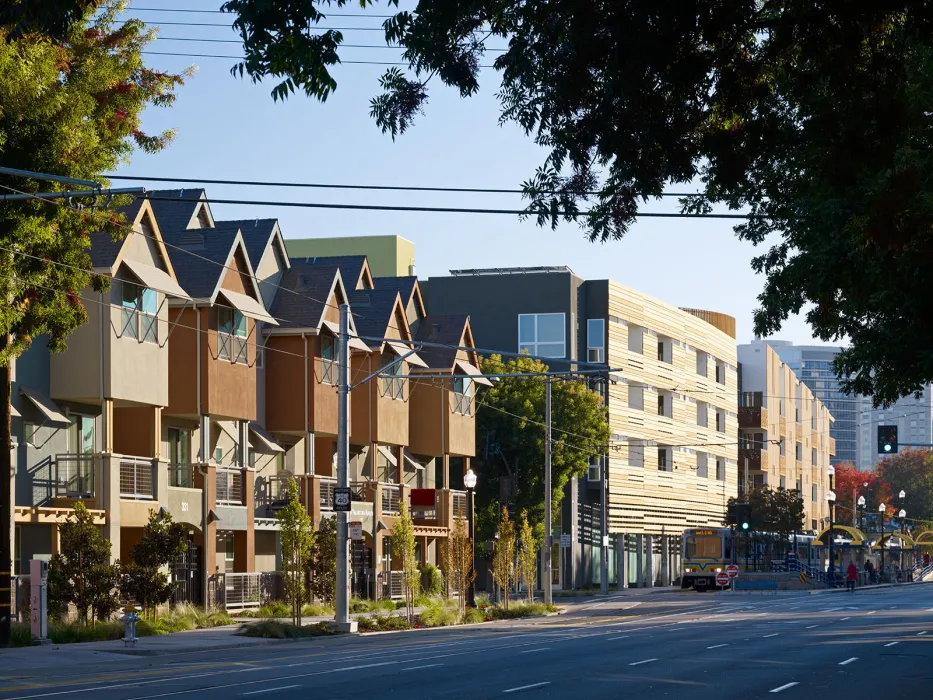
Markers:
{"x": 510, "y": 439}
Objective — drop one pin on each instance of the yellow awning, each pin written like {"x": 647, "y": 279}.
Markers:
{"x": 907, "y": 541}
{"x": 858, "y": 537}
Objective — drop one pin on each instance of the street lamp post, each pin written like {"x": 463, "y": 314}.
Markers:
{"x": 881, "y": 509}
{"x": 900, "y": 558}
{"x": 831, "y": 497}
{"x": 469, "y": 480}
{"x": 861, "y": 509}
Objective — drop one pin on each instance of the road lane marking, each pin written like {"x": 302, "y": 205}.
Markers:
{"x": 770, "y": 635}
{"x": 624, "y": 636}
{"x": 811, "y": 627}
{"x": 871, "y": 612}
{"x": 844, "y": 619}
{"x": 532, "y": 651}
{"x": 891, "y": 644}
{"x": 920, "y": 633}
{"x": 639, "y": 663}
{"x": 270, "y": 690}
{"x": 716, "y": 646}
{"x": 526, "y": 687}
{"x": 784, "y": 687}
{"x": 848, "y": 661}
{"x": 416, "y": 668}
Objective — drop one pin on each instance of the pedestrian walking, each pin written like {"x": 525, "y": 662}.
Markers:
{"x": 926, "y": 559}
{"x": 851, "y": 576}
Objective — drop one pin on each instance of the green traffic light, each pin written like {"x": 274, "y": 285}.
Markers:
{"x": 887, "y": 448}
{"x": 744, "y": 526}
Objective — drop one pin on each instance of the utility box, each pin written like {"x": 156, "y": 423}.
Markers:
{"x": 38, "y": 598}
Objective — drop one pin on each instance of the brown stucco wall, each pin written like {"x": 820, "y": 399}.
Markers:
{"x": 427, "y": 407}
{"x": 284, "y": 377}
{"x": 182, "y": 348}
{"x": 134, "y": 431}
{"x": 231, "y": 386}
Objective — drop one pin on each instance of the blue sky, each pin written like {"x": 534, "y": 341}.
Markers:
{"x": 229, "y": 128}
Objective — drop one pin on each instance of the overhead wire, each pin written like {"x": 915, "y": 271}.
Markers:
{"x": 221, "y": 12}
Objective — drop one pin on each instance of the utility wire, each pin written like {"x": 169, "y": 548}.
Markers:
{"x": 314, "y": 28}
{"x": 342, "y": 46}
{"x": 221, "y": 12}
{"x": 243, "y": 58}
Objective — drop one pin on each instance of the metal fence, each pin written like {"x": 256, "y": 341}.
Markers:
{"x": 136, "y": 478}
{"x": 229, "y": 487}
{"x": 181, "y": 475}
{"x": 243, "y": 591}
{"x": 390, "y": 499}
{"x": 74, "y": 476}
{"x": 327, "y": 493}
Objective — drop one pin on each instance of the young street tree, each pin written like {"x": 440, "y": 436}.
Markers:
{"x": 142, "y": 579}
{"x": 403, "y": 554}
{"x": 324, "y": 562}
{"x": 81, "y": 573}
{"x": 503, "y": 557}
{"x": 70, "y": 107}
{"x": 458, "y": 562}
{"x": 511, "y": 417}
{"x": 527, "y": 555}
{"x": 297, "y": 537}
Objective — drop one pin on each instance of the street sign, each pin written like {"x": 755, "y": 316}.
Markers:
{"x": 803, "y": 577}
{"x": 342, "y": 499}
{"x": 732, "y": 570}
{"x": 565, "y": 541}
{"x": 722, "y": 579}
{"x": 356, "y": 531}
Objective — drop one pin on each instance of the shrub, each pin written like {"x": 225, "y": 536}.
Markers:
{"x": 382, "y": 623}
{"x": 275, "y": 608}
{"x": 316, "y": 610}
{"x": 433, "y": 580}
{"x": 20, "y": 635}
{"x": 517, "y": 610}
{"x": 358, "y": 605}
{"x": 275, "y": 629}
{"x": 439, "y": 614}
{"x": 74, "y": 632}
{"x": 189, "y": 617}
{"x": 482, "y": 600}
{"x": 474, "y": 615}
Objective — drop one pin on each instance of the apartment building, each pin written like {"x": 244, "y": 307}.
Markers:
{"x": 913, "y": 416}
{"x": 671, "y": 400}
{"x": 784, "y": 432}
{"x": 388, "y": 256}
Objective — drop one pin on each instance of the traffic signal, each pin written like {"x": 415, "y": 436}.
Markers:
{"x": 744, "y": 517}
{"x": 887, "y": 439}
{"x": 731, "y": 513}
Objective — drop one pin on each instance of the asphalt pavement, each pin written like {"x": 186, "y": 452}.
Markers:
{"x": 835, "y": 646}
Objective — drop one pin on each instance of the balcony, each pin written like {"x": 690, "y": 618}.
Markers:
{"x": 271, "y": 494}
{"x": 136, "y": 478}
{"x": 459, "y": 504}
{"x": 752, "y": 412}
{"x": 328, "y": 484}
{"x": 181, "y": 476}
{"x": 832, "y": 445}
{"x": 73, "y": 476}
{"x": 390, "y": 499}
{"x": 229, "y": 486}
{"x": 757, "y": 458}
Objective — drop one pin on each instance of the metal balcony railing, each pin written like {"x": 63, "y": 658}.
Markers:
{"x": 229, "y": 487}
{"x": 181, "y": 475}
{"x": 136, "y": 478}
{"x": 272, "y": 491}
{"x": 327, "y": 493}
{"x": 390, "y": 499}
{"x": 74, "y": 476}
{"x": 460, "y": 504}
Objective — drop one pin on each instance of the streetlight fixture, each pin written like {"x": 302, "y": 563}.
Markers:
{"x": 469, "y": 480}
{"x": 882, "y": 508}
{"x": 861, "y": 509}
{"x": 831, "y": 497}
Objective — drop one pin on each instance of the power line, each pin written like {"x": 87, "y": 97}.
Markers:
{"x": 221, "y": 12}
{"x": 342, "y": 46}
{"x": 338, "y": 186}
{"x": 315, "y": 28}
{"x": 243, "y": 58}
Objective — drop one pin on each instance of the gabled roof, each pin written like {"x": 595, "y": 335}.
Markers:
{"x": 260, "y": 236}
{"x": 176, "y": 215}
{"x": 107, "y": 253}
{"x": 445, "y": 330}
{"x": 374, "y": 311}
{"x": 353, "y": 268}
{"x": 407, "y": 287}
{"x": 303, "y": 299}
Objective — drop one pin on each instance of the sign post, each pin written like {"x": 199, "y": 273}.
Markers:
{"x": 733, "y": 572}
{"x": 342, "y": 499}
{"x": 722, "y": 579}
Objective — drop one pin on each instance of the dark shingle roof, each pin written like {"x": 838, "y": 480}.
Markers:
{"x": 311, "y": 284}
{"x": 198, "y": 256}
{"x": 405, "y": 286}
{"x": 351, "y": 266}
{"x": 372, "y": 312}
{"x": 104, "y": 249}
{"x": 447, "y": 330}
{"x": 256, "y": 234}
{"x": 174, "y": 216}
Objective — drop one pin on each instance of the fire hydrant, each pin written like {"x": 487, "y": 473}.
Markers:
{"x": 129, "y": 620}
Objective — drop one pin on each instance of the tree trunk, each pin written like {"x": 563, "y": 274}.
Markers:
{"x": 6, "y": 501}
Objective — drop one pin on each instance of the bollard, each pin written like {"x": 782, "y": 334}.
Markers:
{"x": 129, "y": 620}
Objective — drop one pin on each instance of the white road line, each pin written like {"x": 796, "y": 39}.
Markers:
{"x": 270, "y": 690}
{"x": 624, "y": 636}
{"x": 716, "y": 646}
{"x": 844, "y": 619}
{"x": 848, "y": 661}
{"x": 770, "y": 635}
{"x": 639, "y": 663}
{"x": 416, "y": 668}
{"x": 784, "y": 687}
{"x": 532, "y": 651}
{"x": 871, "y": 612}
{"x": 921, "y": 633}
{"x": 891, "y": 644}
{"x": 811, "y": 627}
{"x": 526, "y": 687}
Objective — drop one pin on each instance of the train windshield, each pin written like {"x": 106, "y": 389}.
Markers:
{"x": 704, "y": 547}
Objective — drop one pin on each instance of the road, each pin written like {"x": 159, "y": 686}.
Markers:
{"x": 834, "y": 646}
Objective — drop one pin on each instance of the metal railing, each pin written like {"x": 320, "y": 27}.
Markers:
{"x": 460, "y": 504}
{"x": 136, "y": 478}
{"x": 328, "y": 371}
{"x": 243, "y": 591}
{"x": 390, "y": 499}
{"x": 272, "y": 491}
{"x": 327, "y": 493}
{"x": 74, "y": 476}
{"x": 181, "y": 475}
{"x": 229, "y": 487}
{"x": 463, "y": 404}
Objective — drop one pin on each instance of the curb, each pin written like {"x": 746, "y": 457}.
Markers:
{"x": 188, "y": 650}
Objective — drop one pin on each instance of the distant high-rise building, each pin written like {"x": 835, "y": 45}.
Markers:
{"x": 912, "y": 416}
{"x": 813, "y": 365}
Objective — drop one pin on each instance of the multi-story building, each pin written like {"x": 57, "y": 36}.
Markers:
{"x": 813, "y": 365}
{"x": 388, "y": 256}
{"x": 912, "y": 415}
{"x": 785, "y": 432}
{"x": 671, "y": 402}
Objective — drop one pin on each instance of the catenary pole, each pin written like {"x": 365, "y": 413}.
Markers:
{"x": 548, "y": 599}
{"x": 343, "y": 452}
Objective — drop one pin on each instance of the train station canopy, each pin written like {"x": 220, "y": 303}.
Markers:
{"x": 857, "y": 538}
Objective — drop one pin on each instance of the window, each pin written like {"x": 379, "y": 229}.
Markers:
{"x": 636, "y": 453}
{"x": 219, "y": 455}
{"x": 665, "y": 407}
{"x": 813, "y": 493}
{"x": 542, "y": 334}
{"x": 702, "y": 464}
{"x": 179, "y": 457}
{"x": 595, "y": 340}
{"x": 704, "y": 547}
{"x": 140, "y": 313}
{"x": 665, "y": 350}
{"x": 720, "y": 421}
{"x": 662, "y": 459}
{"x": 781, "y": 446}
{"x": 81, "y": 434}
{"x": 660, "y": 351}
{"x": 30, "y": 433}
{"x": 720, "y": 469}
{"x": 231, "y": 336}
{"x": 393, "y": 385}
{"x": 701, "y": 363}
{"x": 228, "y": 548}
{"x": 720, "y": 372}
{"x": 328, "y": 359}
{"x": 798, "y": 452}
{"x": 463, "y": 390}
{"x": 593, "y": 471}
{"x": 702, "y": 414}
{"x": 636, "y": 397}
{"x": 813, "y": 456}
{"x": 783, "y": 482}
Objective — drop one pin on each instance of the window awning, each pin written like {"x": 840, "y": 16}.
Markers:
{"x": 230, "y": 428}
{"x": 412, "y": 463}
{"x": 45, "y": 406}
{"x": 387, "y": 453}
{"x": 400, "y": 350}
{"x": 265, "y": 443}
{"x": 355, "y": 343}
{"x": 248, "y": 306}
{"x": 153, "y": 278}
{"x": 473, "y": 372}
